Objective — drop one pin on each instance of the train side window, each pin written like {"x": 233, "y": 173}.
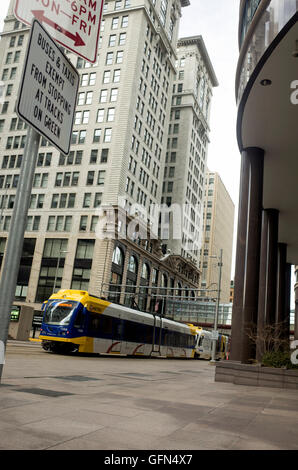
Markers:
{"x": 79, "y": 320}
{"x": 133, "y": 332}
{"x": 148, "y": 334}
{"x": 185, "y": 341}
{"x": 94, "y": 322}
{"x": 119, "y": 330}
{"x": 107, "y": 325}
{"x": 166, "y": 338}
{"x": 157, "y": 334}
{"x": 170, "y": 338}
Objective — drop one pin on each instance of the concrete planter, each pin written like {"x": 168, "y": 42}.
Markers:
{"x": 255, "y": 375}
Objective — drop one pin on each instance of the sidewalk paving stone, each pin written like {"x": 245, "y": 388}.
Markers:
{"x": 57, "y": 402}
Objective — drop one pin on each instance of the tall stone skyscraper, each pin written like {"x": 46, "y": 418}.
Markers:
{"x": 187, "y": 146}
{"x": 219, "y": 211}
{"x": 118, "y": 153}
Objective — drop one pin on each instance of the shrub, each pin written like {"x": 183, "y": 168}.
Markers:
{"x": 281, "y": 359}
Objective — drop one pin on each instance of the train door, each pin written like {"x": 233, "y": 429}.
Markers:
{"x": 101, "y": 329}
{"x": 199, "y": 344}
{"x": 157, "y": 335}
{"x": 132, "y": 337}
{"x": 207, "y": 345}
{"x": 227, "y": 347}
{"x": 218, "y": 347}
{"x": 118, "y": 337}
{"x": 223, "y": 347}
{"x": 79, "y": 322}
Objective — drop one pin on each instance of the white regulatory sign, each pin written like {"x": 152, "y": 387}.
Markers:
{"x": 214, "y": 335}
{"x": 48, "y": 91}
{"x": 75, "y": 24}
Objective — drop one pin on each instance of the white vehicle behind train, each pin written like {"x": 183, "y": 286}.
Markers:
{"x": 203, "y": 348}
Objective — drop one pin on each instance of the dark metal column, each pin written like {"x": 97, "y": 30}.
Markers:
{"x": 281, "y": 283}
{"x": 268, "y": 276}
{"x": 255, "y": 157}
{"x": 262, "y": 285}
{"x": 272, "y": 264}
{"x": 296, "y": 306}
{"x": 288, "y": 302}
{"x": 281, "y": 300}
{"x": 236, "y": 337}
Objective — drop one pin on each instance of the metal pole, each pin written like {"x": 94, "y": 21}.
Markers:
{"x": 15, "y": 240}
{"x": 214, "y": 341}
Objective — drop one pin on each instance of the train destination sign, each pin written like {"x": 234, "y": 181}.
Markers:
{"x": 75, "y": 24}
{"x": 48, "y": 90}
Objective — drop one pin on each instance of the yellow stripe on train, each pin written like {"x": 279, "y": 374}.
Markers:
{"x": 86, "y": 344}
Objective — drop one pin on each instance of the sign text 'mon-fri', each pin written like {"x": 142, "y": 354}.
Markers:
{"x": 48, "y": 91}
{"x": 75, "y": 24}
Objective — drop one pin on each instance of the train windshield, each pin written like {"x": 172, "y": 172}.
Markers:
{"x": 59, "y": 312}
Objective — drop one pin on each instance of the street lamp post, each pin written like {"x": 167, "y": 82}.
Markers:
{"x": 215, "y": 332}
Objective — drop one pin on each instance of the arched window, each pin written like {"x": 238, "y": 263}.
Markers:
{"x": 146, "y": 272}
{"x": 132, "y": 265}
{"x": 164, "y": 280}
{"x": 179, "y": 285}
{"x": 143, "y": 291}
{"x": 154, "y": 277}
{"x": 116, "y": 275}
{"x": 118, "y": 256}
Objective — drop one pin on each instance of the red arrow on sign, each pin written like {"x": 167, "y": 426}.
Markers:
{"x": 40, "y": 16}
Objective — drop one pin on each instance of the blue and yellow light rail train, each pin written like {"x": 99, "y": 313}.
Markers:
{"x": 74, "y": 321}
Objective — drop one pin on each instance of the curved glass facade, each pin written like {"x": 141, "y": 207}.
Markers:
{"x": 248, "y": 14}
{"x": 274, "y": 18}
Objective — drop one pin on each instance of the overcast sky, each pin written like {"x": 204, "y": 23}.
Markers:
{"x": 217, "y": 22}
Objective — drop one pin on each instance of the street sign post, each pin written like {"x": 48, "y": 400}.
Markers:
{"x": 48, "y": 90}
{"x": 75, "y": 24}
{"x": 11, "y": 262}
{"x": 47, "y": 101}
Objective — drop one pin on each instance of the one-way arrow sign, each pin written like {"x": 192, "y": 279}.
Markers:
{"x": 76, "y": 38}
{"x": 73, "y": 24}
